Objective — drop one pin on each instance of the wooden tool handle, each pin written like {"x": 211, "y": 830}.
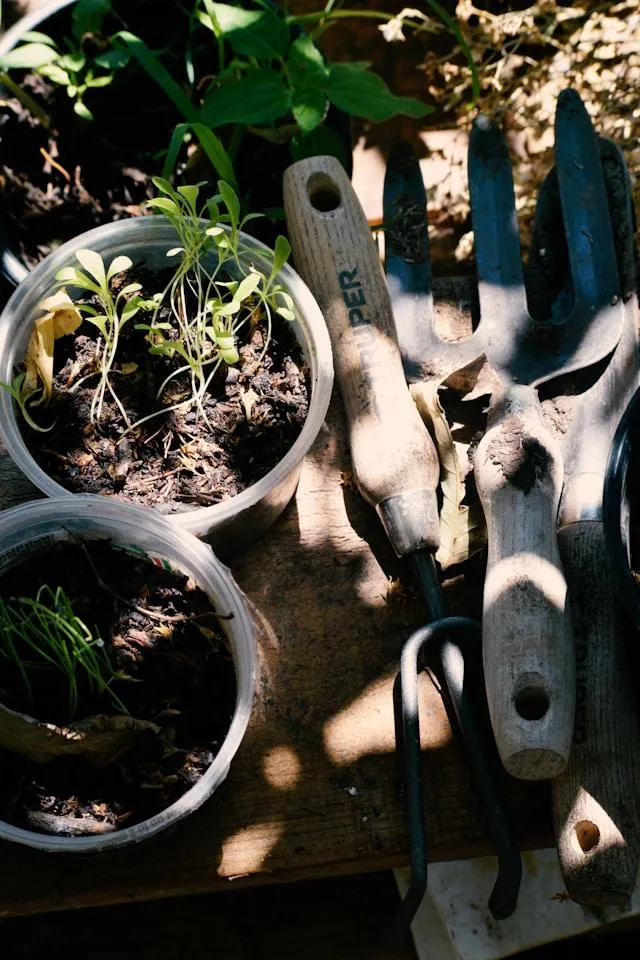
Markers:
{"x": 596, "y": 801}
{"x": 394, "y": 460}
{"x": 526, "y": 636}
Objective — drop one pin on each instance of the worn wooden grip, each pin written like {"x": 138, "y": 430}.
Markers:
{"x": 526, "y": 636}
{"x": 596, "y": 801}
{"x": 394, "y": 460}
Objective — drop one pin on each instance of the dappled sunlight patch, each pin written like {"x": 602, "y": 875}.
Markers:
{"x": 366, "y": 726}
{"x": 282, "y": 767}
{"x": 247, "y": 851}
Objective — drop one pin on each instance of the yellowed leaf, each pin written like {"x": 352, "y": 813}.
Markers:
{"x": 128, "y": 368}
{"x": 248, "y": 398}
{"x": 461, "y": 527}
{"x": 60, "y": 317}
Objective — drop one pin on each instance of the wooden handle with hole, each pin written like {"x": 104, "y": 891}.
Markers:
{"x": 394, "y": 460}
{"x": 596, "y": 801}
{"x": 527, "y": 644}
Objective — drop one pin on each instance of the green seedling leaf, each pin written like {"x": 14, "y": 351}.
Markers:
{"x": 163, "y": 185}
{"x": 130, "y": 288}
{"x": 190, "y": 193}
{"x": 210, "y": 143}
{"x": 100, "y": 321}
{"x": 77, "y": 278}
{"x": 112, "y": 59}
{"x": 305, "y": 63}
{"x": 100, "y": 81}
{"x": 365, "y": 94}
{"x": 129, "y": 310}
{"x": 261, "y": 96}
{"x": 16, "y": 391}
{"x": 228, "y": 351}
{"x": 158, "y": 72}
{"x": 93, "y": 264}
{"x": 309, "y": 108}
{"x": 175, "y": 251}
{"x": 281, "y": 253}
{"x": 30, "y": 56}
{"x": 56, "y": 74}
{"x": 308, "y": 76}
{"x": 285, "y": 313}
{"x": 82, "y": 110}
{"x": 248, "y": 286}
{"x": 228, "y": 309}
{"x": 164, "y": 205}
{"x": 120, "y": 265}
{"x": 250, "y": 33}
{"x": 230, "y": 199}
{"x": 33, "y": 36}
{"x": 73, "y": 62}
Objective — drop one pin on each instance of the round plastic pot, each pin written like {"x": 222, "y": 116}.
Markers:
{"x": 231, "y": 524}
{"x": 33, "y": 528}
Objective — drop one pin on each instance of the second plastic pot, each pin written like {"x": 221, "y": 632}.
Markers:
{"x": 34, "y": 527}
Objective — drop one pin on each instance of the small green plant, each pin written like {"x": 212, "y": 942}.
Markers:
{"x": 211, "y": 298}
{"x": 72, "y": 67}
{"x": 44, "y": 633}
{"x": 112, "y": 315}
{"x": 214, "y": 291}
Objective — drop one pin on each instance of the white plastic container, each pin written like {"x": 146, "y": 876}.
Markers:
{"x": 32, "y": 528}
{"x": 231, "y": 524}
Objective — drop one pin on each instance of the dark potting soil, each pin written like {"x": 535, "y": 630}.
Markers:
{"x": 56, "y": 183}
{"x": 179, "y": 460}
{"x": 61, "y": 181}
{"x": 161, "y": 632}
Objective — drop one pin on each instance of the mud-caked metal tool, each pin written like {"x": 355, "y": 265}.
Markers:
{"x": 527, "y": 644}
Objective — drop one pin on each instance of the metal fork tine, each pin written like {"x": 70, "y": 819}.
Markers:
{"x": 424, "y": 354}
{"x": 585, "y": 211}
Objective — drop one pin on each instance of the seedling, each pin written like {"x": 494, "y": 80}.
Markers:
{"x": 72, "y": 67}
{"x": 110, "y": 318}
{"x": 45, "y": 634}
{"x": 213, "y": 293}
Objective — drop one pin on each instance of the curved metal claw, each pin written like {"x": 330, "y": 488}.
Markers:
{"x": 482, "y": 758}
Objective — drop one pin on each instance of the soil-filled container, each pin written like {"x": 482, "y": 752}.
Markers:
{"x": 264, "y": 445}
{"x": 200, "y": 644}
{"x": 64, "y": 173}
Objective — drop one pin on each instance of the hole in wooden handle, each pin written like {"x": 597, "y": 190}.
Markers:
{"x": 532, "y": 702}
{"x": 324, "y": 193}
{"x": 587, "y": 835}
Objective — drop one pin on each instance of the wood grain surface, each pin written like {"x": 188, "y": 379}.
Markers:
{"x": 315, "y": 788}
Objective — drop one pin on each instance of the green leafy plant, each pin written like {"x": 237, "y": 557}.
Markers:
{"x": 110, "y": 317}
{"x": 44, "y": 633}
{"x": 215, "y": 289}
{"x": 72, "y": 67}
{"x": 274, "y": 80}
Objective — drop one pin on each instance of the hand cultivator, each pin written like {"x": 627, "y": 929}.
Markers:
{"x": 533, "y": 588}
